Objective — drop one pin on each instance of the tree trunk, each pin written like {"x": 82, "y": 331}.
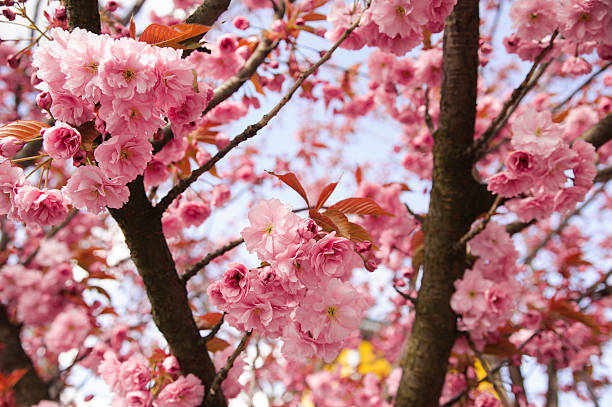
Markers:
{"x": 453, "y": 207}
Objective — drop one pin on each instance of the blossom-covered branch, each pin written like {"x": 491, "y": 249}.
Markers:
{"x": 252, "y": 130}
{"x": 193, "y": 270}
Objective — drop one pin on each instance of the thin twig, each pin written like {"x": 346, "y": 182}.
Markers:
{"x": 404, "y": 295}
{"x": 479, "y": 147}
{"x": 419, "y": 218}
{"x": 214, "y": 330}
{"x": 222, "y": 373}
{"x": 589, "y": 384}
{"x": 52, "y": 232}
{"x": 252, "y": 130}
{"x": 552, "y": 391}
{"x": 132, "y": 13}
{"x": 193, "y": 270}
{"x": 582, "y": 86}
{"x": 485, "y": 365}
{"x": 481, "y": 226}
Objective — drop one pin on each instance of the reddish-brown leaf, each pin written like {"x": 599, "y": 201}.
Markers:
{"x": 359, "y": 206}
{"x": 208, "y": 320}
{"x": 323, "y": 221}
{"x": 417, "y": 240}
{"x": 24, "y": 130}
{"x": 291, "y": 180}
{"x": 340, "y": 220}
{"x": 401, "y": 184}
{"x": 358, "y": 233}
{"x": 314, "y": 17}
{"x": 358, "y": 175}
{"x": 132, "y": 28}
{"x": 325, "y": 193}
{"x": 256, "y": 82}
{"x": 10, "y": 380}
{"x": 215, "y": 344}
{"x": 164, "y": 35}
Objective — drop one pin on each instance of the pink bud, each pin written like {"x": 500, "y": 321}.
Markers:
{"x": 221, "y": 140}
{"x": 363, "y": 246}
{"x": 9, "y": 14}
{"x": 371, "y": 265}
{"x": 112, "y": 6}
{"x": 9, "y": 146}
{"x": 43, "y": 100}
{"x": 241, "y": 23}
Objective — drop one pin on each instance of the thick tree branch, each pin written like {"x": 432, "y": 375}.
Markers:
{"x": 208, "y": 12}
{"x": 31, "y": 389}
{"x": 452, "y": 210}
{"x": 83, "y": 14}
{"x": 251, "y": 130}
{"x": 142, "y": 227}
{"x": 600, "y": 133}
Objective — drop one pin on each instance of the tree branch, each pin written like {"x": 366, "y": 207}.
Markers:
{"x": 193, "y": 270}
{"x": 251, "y": 130}
{"x": 600, "y": 133}
{"x": 582, "y": 86}
{"x": 552, "y": 392}
{"x": 83, "y": 14}
{"x": 31, "y": 389}
{"x": 142, "y": 228}
{"x": 208, "y": 12}
{"x": 222, "y": 373}
{"x": 485, "y": 365}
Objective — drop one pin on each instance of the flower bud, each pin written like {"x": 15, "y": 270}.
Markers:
{"x": 43, "y": 100}
{"x": 9, "y": 146}
{"x": 9, "y": 14}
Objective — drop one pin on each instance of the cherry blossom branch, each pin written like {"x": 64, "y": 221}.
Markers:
{"x": 531, "y": 255}
{"x": 518, "y": 385}
{"x": 582, "y": 86}
{"x": 600, "y": 133}
{"x": 222, "y": 373}
{"x": 552, "y": 392}
{"x": 252, "y": 130}
{"x": 481, "y": 226}
{"x": 503, "y": 397}
{"x": 193, "y": 270}
{"x": 479, "y": 148}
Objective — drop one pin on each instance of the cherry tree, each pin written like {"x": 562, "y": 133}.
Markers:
{"x": 160, "y": 235}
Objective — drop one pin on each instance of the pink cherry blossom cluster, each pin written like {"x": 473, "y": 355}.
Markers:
{"x": 393, "y": 26}
{"x": 537, "y": 168}
{"x": 583, "y": 25}
{"x": 134, "y": 383}
{"x": 485, "y": 296}
{"x": 301, "y": 292}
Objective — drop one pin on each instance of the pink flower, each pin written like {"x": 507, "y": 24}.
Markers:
{"x": 68, "y": 330}
{"x": 583, "y": 20}
{"x": 567, "y": 198}
{"x": 507, "y": 185}
{"x": 194, "y": 213}
{"x": 227, "y": 111}
{"x": 470, "y": 295}
{"x": 11, "y": 179}
{"x": 138, "y": 398}
{"x": 127, "y": 68}
{"x": 493, "y": 242}
{"x": 522, "y": 164}
{"x": 241, "y": 23}
{"x": 90, "y": 189}
{"x": 155, "y": 173}
{"x": 123, "y": 157}
{"x": 535, "y": 133}
{"x": 136, "y": 116}
{"x": 134, "y": 374}
{"x": 172, "y": 224}
{"x": 184, "y": 392}
{"x": 9, "y": 146}
{"x": 429, "y": 67}
{"x": 109, "y": 370}
{"x": 534, "y": 19}
{"x": 585, "y": 169}
{"x": 43, "y": 207}
{"x": 231, "y": 387}
{"x": 334, "y": 257}
{"x": 576, "y": 66}
{"x": 399, "y": 17}
{"x": 235, "y": 283}
{"x": 273, "y": 227}
{"x": 61, "y": 141}
{"x": 220, "y": 194}
{"x": 176, "y": 78}
{"x": 532, "y": 208}
{"x": 71, "y": 109}
{"x": 330, "y": 313}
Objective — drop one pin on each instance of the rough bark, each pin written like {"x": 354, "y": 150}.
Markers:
{"x": 142, "y": 228}
{"x": 31, "y": 389}
{"x": 83, "y": 14}
{"x": 600, "y": 133}
{"x": 453, "y": 207}
{"x": 208, "y": 12}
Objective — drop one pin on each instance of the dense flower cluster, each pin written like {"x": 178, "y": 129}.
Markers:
{"x": 485, "y": 296}
{"x": 393, "y": 26}
{"x": 538, "y": 168}
{"x": 301, "y": 292}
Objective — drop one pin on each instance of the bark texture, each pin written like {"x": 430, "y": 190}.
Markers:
{"x": 454, "y": 204}
{"x": 83, "y": 14}
{"x": 31, "y": 389}
{"x": 142, "y": 228}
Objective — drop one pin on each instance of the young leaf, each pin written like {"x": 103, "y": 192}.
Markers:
{"x": 24, "y": 130}
{"x": 132, "y": 28}
{"x": 360, "y": 206}
{"x": 340, "y": 220}
{"x": 325, "y": 193}
{"x": 208, "y": 320}
{"x": 314, "y": 17}
{"x": 215, "y": 344}
{"x": 170, "y": 36}
{"x": 257, "y": 84}
{"x": 323, "y": 221}
{"x": 359, "y": 234}
{"x": 291, "y": 180}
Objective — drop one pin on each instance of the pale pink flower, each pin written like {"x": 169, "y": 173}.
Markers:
{"x": 535, "y": 133}
{"x": 123, "y": 157}
{"x": 231, "y": 386}
{"x": 184, "y": 392}
{"x": 493, "y": 242}
{"x": 470, "y": 295}
{"x": 532, "y": 208}
{"x": 272, "y": 226}
{"x": 127, "y": 68}
{"x": 173, "y": 151}
{"x": 437, "y": 11}
{"x": 9, "y": 146}
{"x": 579, "y": 120}
{"x": 40, "y": 206}
{"x": 507, "y": 185}
{"x": 71, "y": 109}
{"x": 172, "y": 224}
{"x": 585, "y": 168}
{"x": 88, "y": 188}
{"x": 235, "y": 283}
{"x": 194, "y": 213}
{"x": 522, "y": 164}
{"x": 216, "y": 65}
{"x": 155, "y": 173}
{"x": 136, "y": 116}
{"x": 109, "y": 370}
{"x": 557, "y": 163}
{"x": 576, "y": 66}
{"x": 429, "y": 67}
{"x": 583, "y": 20}
{"x": 61, "y": 141}
{"x": 534, "y": 19}
{"x": 11, "y": 179}
{"x": 227, "y": 111}
{"x": 399, "y": 17}
{"x": 330, "y": 313}
{"x": 47, "y": 57}
{"x": 171, "y": 364}
{"x": 220, "y": 194}
{"x": 137, "y": 398}
{"x": 134, "y": 374}
{"x": 68, "y": 330}
{"x": 333, "y": 257}
{"x": 567, "y": 198}
{"x": 176, "y": 78}
{"x": 192, "y": 107}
